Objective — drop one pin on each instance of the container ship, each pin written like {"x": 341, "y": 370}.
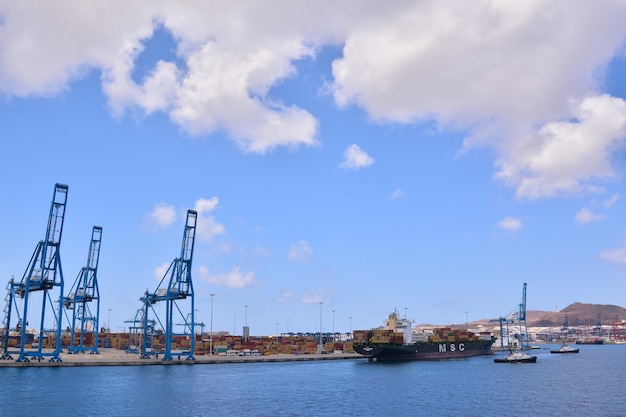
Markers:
{"x": 396, "y": 342}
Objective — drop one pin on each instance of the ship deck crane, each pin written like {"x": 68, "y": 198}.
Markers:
{"x": 42, "y": 277}
{"x": 177, "y": 294}
{"x": 83, "y": 292}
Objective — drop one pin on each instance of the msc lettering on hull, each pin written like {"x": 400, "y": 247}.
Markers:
{"x": 452, "y": 347}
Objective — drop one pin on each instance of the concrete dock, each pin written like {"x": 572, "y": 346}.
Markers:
{"x": 116, "y": 357}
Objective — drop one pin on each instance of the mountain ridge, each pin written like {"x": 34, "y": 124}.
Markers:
{"x": 578, "y": 314}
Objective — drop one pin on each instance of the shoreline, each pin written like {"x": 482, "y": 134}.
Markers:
{"x": 115, "y": 357}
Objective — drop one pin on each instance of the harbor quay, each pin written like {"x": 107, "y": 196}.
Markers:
{"x": 131, "y": 349}
{"x": 116, "y": 357}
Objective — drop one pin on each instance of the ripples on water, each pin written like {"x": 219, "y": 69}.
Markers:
{"x": 590, "y": 383}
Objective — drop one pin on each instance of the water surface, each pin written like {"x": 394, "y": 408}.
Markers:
{"x": 590, "y": 383}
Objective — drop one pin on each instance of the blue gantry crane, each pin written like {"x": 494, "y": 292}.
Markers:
{"x": 176, "y": 289}
{"x": 43, "y": 277}
{"x": 564, "y": 330}
{"x": 82, "y": 294}
{"x": 513, "y": 325}
{"x": 141, "y": 334}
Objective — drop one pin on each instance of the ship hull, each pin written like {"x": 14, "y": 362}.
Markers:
{"x": 565, "y": 351}
{"x": 590, "y": 342}
{"x": 424, "y": 350}
{"x": 529, "y": 359}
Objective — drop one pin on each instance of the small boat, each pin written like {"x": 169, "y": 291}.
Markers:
{"x": 565, "y": 348}
{"x": 516, "y": 356}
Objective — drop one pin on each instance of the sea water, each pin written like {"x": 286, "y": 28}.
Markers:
{"x": 590, "y": 383}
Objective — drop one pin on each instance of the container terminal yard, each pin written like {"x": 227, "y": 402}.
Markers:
{"x": 226, "y": 349}
{"x": 151, "y": 339}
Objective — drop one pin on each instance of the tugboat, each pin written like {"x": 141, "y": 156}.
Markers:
{"x": 396, "y": 342}
{"x": 516, "y": 356}
{"x": 565, "y": 348}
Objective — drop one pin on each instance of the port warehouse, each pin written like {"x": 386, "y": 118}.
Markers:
{"x": 222, "y": 344}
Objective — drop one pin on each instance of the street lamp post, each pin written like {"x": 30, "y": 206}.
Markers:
{"x": 350, "y": 333}
{"x": 320, "y": 348}
{"x": 245, "y": 324}
{"x": 333, "y": 325}
{"x": 109, "y": 322}
{"x": 211, "y": 328}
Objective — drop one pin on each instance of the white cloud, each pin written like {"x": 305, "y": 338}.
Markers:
{"x": 286, "y": 296}
{"x": 567, "y": 157}
{"x": 206, "y": 205}
{"x": 300, "y": 251}
{"x": 161, "y": 217}
{"x": 314, "y": 296}
{"x": 235, "y": 278}
{"x": 585, "y": 215}
{"x": 475, "y": 62}
{"x": 229, "y": 58}
{"x": 261, "y": 251}
{"x": 207, "y": 227}
{"x": 355, "y": 158}
{"x": 614, "y": 255}
{"x": 159, "y": 271}
{"x": 397, "y": 193}
{"x": 217, "y": 93}
{"x": 496, "y": 69}
{"x": 224, "y": 246}
{"x": 510, "y": 224}
{"x": 612, "y": 200}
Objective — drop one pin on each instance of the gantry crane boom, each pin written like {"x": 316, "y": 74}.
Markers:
{"x": 43, "y": 275}
{"x": 84, "y": 291}
{"x": 179, "y": 287}
{"x": 521, "y": 319}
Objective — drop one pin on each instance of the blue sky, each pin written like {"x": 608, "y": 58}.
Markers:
{"x": 429, "y": 156}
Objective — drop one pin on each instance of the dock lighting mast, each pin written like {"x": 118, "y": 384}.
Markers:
{"x": 211, "y": 328}
{"x": 178, "y": 289}
{"x": 320, "y": 347}
{"x": 84, "y": 291}
{"x": 42, "y": 276}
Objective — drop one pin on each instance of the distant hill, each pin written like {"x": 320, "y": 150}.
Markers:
{"x": 578, "y": 314}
